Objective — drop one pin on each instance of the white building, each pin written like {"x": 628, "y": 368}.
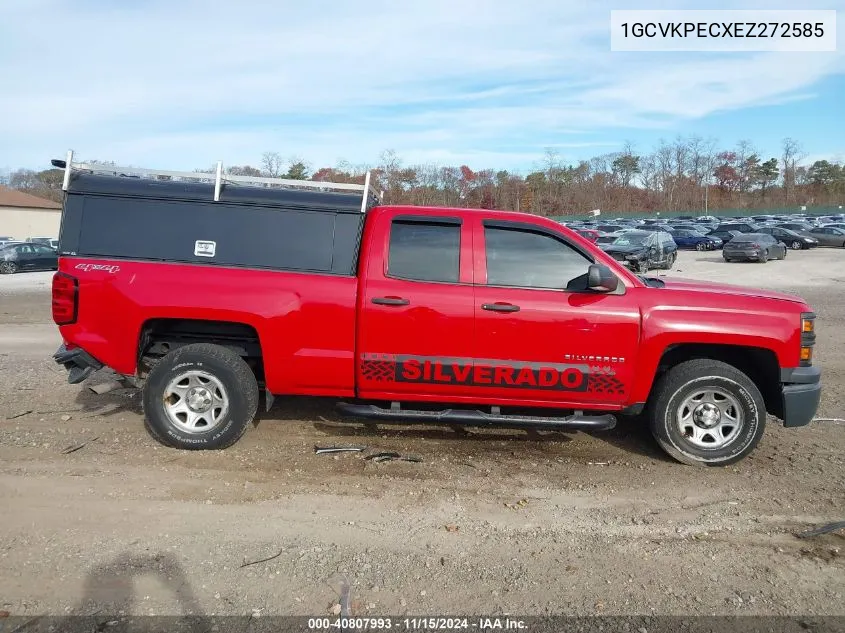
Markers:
{"x": 23, "y": 215}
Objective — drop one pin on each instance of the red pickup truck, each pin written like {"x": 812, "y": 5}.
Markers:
{"x": 205, "y": 293}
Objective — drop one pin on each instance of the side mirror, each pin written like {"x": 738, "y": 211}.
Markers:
{"x": 600, "y": 277}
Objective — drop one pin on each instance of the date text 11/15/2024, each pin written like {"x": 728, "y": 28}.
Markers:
{"x": 417, "y": 624}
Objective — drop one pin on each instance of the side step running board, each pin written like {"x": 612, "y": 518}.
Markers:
{"x": 479, "y": 418}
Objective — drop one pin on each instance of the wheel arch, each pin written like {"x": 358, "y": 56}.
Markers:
{"x": 758, "y": 363}
{"x": 160, "y": 335}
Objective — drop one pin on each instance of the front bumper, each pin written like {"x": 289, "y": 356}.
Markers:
{"x": 79, "y": 363}
{"x": 801, "y": 388}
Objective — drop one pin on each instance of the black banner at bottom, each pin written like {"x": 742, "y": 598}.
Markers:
{"x": 100, "y": 623}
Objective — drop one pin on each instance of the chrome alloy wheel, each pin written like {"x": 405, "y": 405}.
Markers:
{"x": 709, "y": 418}
{"x": 195, "y": 401}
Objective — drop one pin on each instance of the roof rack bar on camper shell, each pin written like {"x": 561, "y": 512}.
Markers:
{"x": 219, "y": 178}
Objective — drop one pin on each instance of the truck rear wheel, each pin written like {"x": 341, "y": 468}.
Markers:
{"x": 707, "y": 413}
{"x": 200, "y": 397}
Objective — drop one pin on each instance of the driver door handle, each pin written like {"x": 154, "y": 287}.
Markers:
{"x": 391, "y": 301}
{"x": 500, "y": 307}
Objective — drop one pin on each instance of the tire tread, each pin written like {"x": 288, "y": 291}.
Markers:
{"x": 246, "y": 385}
{"x": 682, "y": 374}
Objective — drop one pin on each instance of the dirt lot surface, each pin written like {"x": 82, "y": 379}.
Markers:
{"x": 489, "y": 522}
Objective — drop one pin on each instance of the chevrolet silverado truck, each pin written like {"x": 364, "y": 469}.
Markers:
{"x": 207, "y": 290}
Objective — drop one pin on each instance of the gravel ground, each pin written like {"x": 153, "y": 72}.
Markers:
{"x": 489, "y": 522}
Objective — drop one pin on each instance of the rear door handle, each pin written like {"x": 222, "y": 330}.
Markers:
{"x": 391, "y": 301}
{"x": 500, "y": 307}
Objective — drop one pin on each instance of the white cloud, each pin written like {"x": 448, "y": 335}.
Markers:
{"x": 181, "y": 84}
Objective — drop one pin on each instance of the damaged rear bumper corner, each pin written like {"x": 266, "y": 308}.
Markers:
{"x": 79, "y": 363}
{"x": 801, "y": 391}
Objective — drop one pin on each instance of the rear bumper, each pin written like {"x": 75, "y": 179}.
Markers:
{"x": 801, "y": 388}
{"x": 746, "y": 253}
{"x": 79, "y": 363}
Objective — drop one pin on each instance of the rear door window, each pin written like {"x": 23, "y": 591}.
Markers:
{"x": 424, "y": 251}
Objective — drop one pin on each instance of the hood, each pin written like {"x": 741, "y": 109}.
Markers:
{"x": 619, "y": 249}
{"x": 727, "y": 289}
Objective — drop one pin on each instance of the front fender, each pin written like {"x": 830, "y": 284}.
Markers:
{"x": 666, "y": 326}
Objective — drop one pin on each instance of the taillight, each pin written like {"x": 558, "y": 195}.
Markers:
{"x": 65, "y": 295}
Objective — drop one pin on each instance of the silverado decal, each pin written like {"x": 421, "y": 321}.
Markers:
{"x": 492, "y": 373}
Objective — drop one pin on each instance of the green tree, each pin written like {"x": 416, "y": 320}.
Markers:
{"x": 625, "y": 167}
{"x": 767, "y": 174}
{"x": 297, "y": 171}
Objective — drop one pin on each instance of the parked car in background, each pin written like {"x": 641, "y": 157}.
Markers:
{"x": 656, "y": 227}
{"x": 590, "y": 234}
{"x": 7, "y": 240}
{"x": 829, "y": 235}
{"x": 758, "y": 247}
{"x": 724, "y": 235}
{"x": 605, "y": 240}
{"x": 26, "y": 256}
{"x": 686, "y": 238}
{"x": 793, "y": 239}
{"x": 644, "y": 250}
{"x": 797, "y": 226}
{"x": 742, "y": 227}
{"x": 39, "y": 240}
{"x": 607, "y": 228}
{"x": 698, "y": 228}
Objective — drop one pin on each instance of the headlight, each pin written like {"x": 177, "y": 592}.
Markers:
{"x": 808, "y": 325}
{"x": 808, "y": 338}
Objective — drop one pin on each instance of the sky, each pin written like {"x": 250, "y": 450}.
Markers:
{"x": 489, "y": 83}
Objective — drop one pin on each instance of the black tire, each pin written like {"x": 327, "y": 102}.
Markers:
{"x": 700, "y": 246}
{"x": 642, "y": 267}
{"x": 8, "y": 268}
{"x": 240, "y": 392}
{"x": 796, "y": 245}
{"x": 682, "y": 382}
{"x": 764, "y": 257}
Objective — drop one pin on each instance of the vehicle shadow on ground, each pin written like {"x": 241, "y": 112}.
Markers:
{"x": 631, "y": 435}
{"x": 326, "y": 419}
{"x": 124, "y": 400}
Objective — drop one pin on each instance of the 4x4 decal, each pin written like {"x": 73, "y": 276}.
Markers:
{"x": 490, "y": 373}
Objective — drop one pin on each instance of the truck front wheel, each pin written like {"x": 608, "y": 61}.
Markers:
{"x": 707, "y": 413}
{"x": 200, "y": 396}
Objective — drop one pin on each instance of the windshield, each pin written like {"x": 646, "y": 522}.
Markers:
{"x": 631, "y": 239}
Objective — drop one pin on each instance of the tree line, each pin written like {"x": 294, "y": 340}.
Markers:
{"x": 685, "y": 174}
